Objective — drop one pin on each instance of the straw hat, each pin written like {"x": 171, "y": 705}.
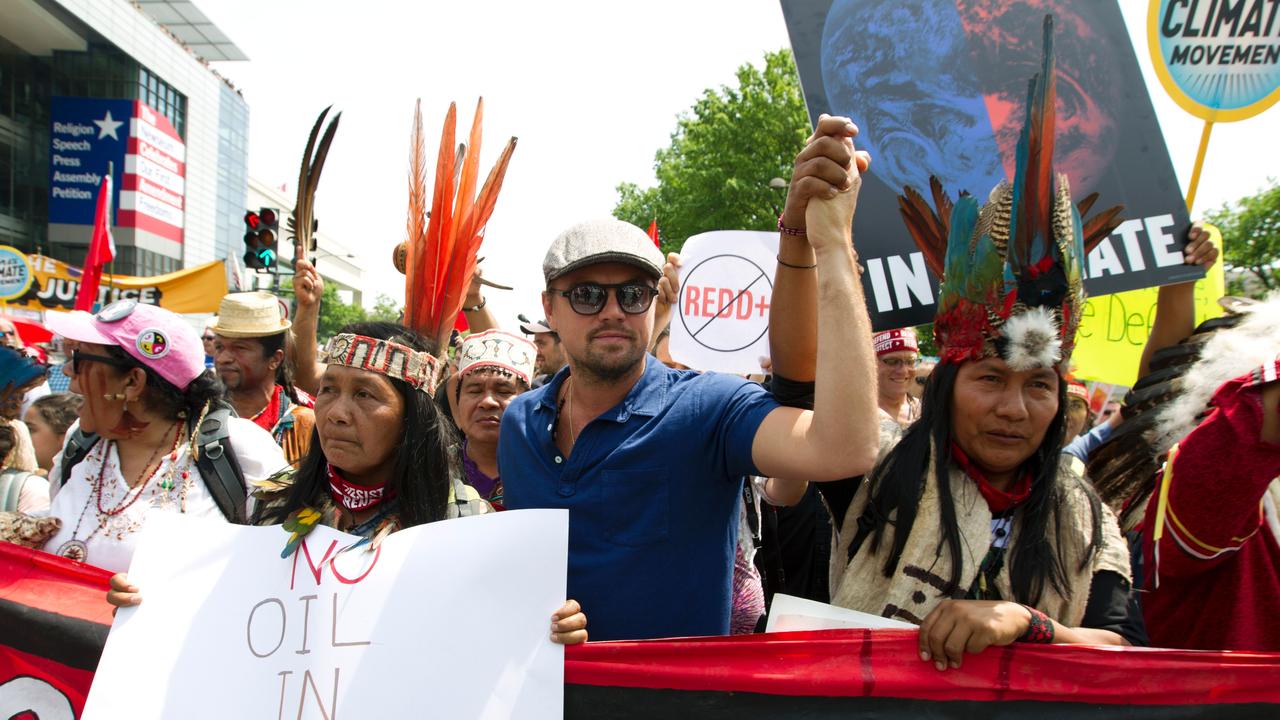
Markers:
{"x": 250, "y": 314}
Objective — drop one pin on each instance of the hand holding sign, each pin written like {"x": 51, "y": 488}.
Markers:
{"x": 668, "y": 295}
{"x": 1200, "y": 250}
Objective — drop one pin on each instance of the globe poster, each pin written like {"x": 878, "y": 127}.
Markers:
{"x": 938, "y": 87}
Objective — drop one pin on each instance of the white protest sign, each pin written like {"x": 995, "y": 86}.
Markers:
{"x": 790, "y": 614}
{"x": 450, "y": 619}
{"x": 726, "y": 283}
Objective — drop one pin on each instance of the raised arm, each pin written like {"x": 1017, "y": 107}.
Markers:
{"x": 839, "y": 437}
{"x": 1175, "y": 304}
{"x": 308, "y": 288}
{"x": 819, "y": 169}
{"x": 475, "y": 308}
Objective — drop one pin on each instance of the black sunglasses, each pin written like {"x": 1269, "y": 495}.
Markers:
{"x": 78, "y": 357}
{"x": 590, "y": 298}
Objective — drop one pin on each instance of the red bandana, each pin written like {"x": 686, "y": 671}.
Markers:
{"x": 355, "y": 497}
{"x": 998, "y": 501}
{"x": 270, "y": 414}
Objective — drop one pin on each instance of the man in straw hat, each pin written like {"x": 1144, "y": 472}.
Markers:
{"x": 249, "y": 354}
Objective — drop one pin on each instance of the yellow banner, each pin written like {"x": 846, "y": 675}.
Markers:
{"x": 1115, "y": 328}
{"x": 52, "y": 285}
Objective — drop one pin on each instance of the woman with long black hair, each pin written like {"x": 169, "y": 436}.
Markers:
{"x": 380, "y": 457}
{"x": 971, "y": 525}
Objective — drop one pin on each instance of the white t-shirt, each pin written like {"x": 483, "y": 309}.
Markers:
{"x": 110, "y": 539}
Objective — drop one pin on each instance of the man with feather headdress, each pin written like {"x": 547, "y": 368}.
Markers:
{"x": 970, "y": 525}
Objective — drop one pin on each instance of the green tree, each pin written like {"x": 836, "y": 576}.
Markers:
{"x": 334, "y": 313}
{"x": 386, "y": 309}
{"x": 1251, "y": 236}
{"x": 715, "y": 174}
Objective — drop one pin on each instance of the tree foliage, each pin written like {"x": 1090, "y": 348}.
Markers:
{"x": 1251, "y": 236}
{"x": 724, "y": 151}
{"x": 334, "y": 313}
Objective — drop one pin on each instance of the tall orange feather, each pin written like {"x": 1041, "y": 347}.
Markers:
{"x": 472, "y": 234}
{"x": 441, "y": 257}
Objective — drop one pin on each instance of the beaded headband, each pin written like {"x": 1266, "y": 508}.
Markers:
{"x": 498, "y": 349}
{"x": 399, "y": 362}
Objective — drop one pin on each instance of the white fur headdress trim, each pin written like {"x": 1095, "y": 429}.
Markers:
{"x": 1226, "y": 356}
{"x": 1033, "y": 340}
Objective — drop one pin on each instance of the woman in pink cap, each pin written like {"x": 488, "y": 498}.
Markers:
{"x": 146, "y": 394}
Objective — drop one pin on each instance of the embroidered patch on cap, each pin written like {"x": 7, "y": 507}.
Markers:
{"x": 152, "y": 343}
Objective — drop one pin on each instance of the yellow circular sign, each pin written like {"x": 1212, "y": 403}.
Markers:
{"x": 15, "y": 273}
{"x": 1220, "y": 61}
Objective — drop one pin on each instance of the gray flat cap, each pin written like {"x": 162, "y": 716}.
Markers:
{"x": 600, "y": 241}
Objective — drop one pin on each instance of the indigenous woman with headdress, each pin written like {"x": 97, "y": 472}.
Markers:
{"x": 493, "y": 367}
{"x": 380, "y": 457}
{"x": 363, "y": 477}
{"x": 971, "y": 525}
{"x": 134, "y": 453}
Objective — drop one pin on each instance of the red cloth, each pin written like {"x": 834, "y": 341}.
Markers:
{"x": 1219, "y": 560}
{"x": 997, "y": 500}
{"x": 270, "y": 414}
{"x": 102, "y": 249}
{"x": 653, "y": 233}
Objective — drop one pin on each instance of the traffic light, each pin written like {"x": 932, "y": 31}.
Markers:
{"x": 252, "y": 222}
{"x": 261, "y": 234}
{"x": 268, "y": 236}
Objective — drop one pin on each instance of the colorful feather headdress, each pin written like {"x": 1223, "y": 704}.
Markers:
{"x": 438, "y": 256}
{"x": 1012, "y": 269}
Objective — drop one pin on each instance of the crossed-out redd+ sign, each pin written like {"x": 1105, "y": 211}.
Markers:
{"x": 726, "y": 288}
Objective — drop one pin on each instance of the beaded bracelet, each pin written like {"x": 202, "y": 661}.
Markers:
{"x": 1040, "y": 630}
{"x": 793, "y": 232}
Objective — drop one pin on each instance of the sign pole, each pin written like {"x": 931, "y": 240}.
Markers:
{"x": 1195, "y": 171}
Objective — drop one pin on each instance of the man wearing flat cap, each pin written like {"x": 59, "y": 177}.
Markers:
{"x": 650, "y": 460}
{"x": 249, "y": 356}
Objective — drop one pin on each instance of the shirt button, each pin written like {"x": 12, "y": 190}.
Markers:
{"x": 559, "y": 459}
{"x": 548, "y": 427}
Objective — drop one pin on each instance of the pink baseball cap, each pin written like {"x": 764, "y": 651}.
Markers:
{"x": 155, "y": 337}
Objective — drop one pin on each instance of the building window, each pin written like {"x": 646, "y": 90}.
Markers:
{"x": 161, "y": 96}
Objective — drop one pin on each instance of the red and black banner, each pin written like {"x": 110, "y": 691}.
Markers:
{"x": 879, "y": 674}
{"x": 54, "y": 621}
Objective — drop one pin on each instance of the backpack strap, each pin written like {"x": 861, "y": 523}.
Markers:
{"x": 79, "y": 443}
{"x": 11, "y": 482}
{"x": 218, "y": 465}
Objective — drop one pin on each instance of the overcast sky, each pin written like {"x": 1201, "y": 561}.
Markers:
{"x": 590, "y": 87}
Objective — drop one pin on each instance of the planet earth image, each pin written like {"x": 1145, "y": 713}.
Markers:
{"x": 938, "y": 87}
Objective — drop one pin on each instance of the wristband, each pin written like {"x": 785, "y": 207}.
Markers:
{"x": 793, "y": 232}
{"x": 784, "y": 263}
{"x": 477, "y": 307}
{"x": 1040, "y": 630}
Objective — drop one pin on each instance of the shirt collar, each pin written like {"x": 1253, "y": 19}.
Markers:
{"x": 645, "y": 398}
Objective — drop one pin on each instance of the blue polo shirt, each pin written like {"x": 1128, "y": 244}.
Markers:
{"x": 652, "y": 489}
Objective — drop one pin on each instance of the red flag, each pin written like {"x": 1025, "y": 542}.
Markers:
{"x": 653, "y": 233}
{"x": 102, "y": 249}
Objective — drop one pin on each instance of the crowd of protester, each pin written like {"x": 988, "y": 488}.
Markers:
{"x": 950, "y": 493}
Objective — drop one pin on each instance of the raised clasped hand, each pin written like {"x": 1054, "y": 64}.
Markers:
{"x": 825, "y": 182}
